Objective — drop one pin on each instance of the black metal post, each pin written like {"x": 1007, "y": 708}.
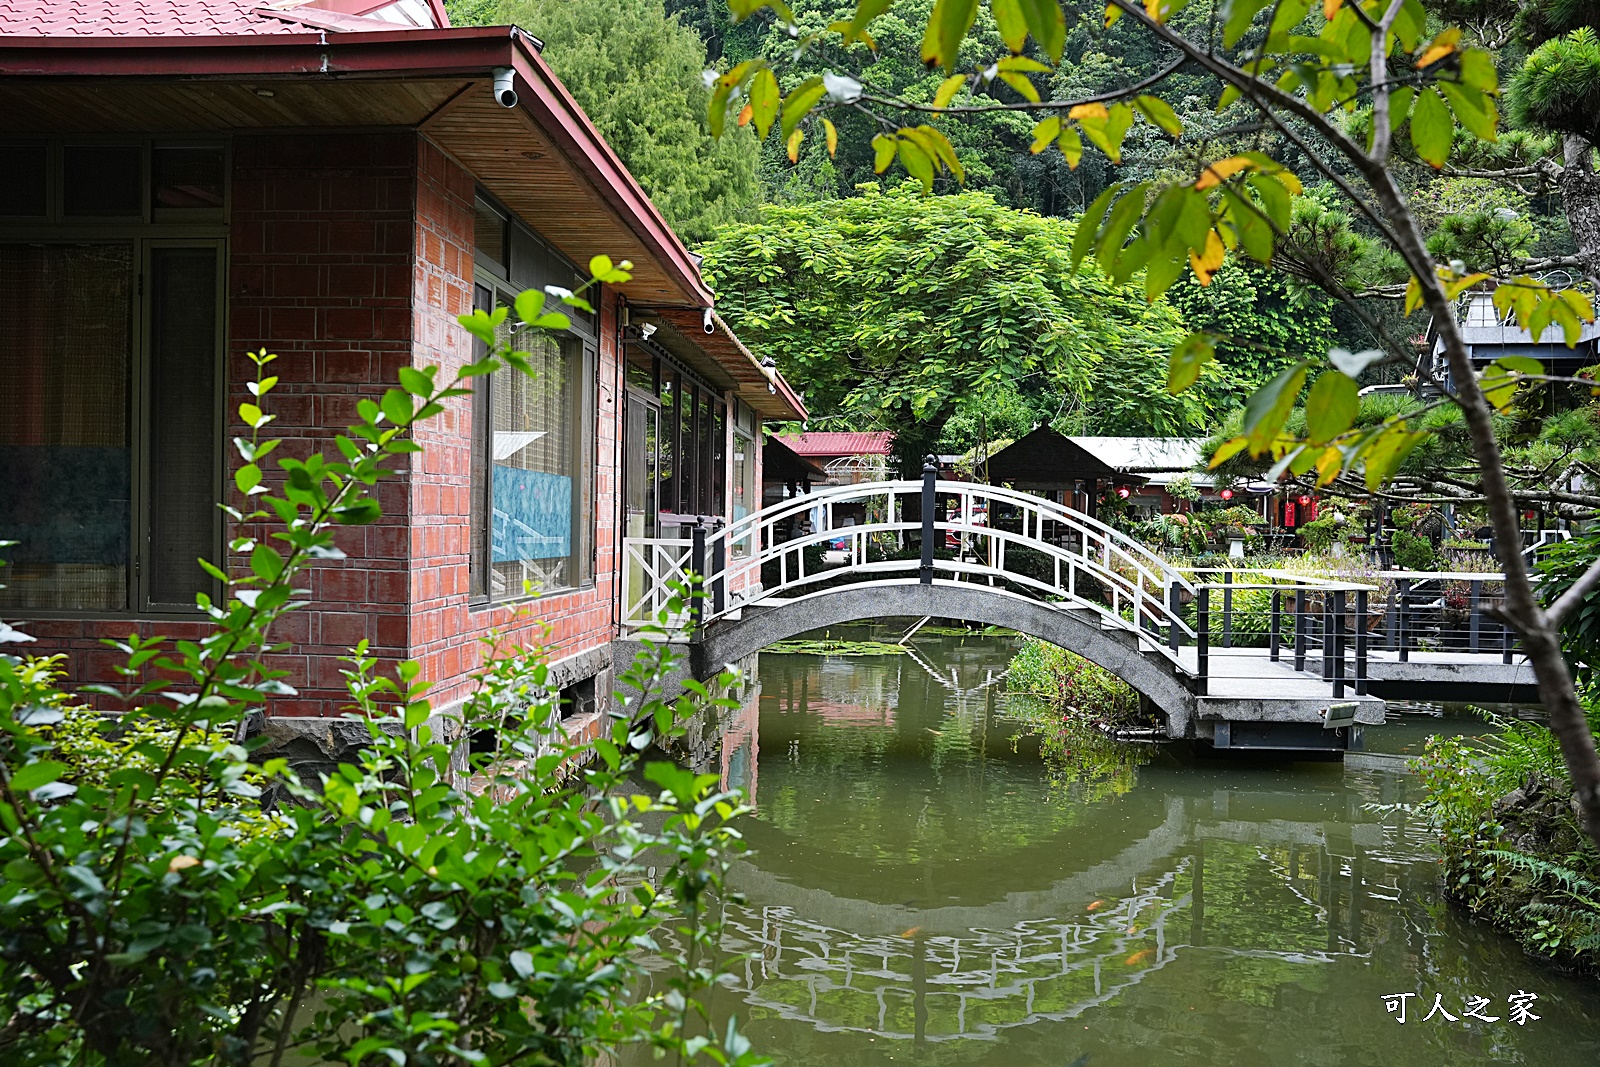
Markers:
{"x": 1475, "y": 612}
{"x": 1361, "y": 643}
{"x": 1174, "y": 603}
{"x": 1202, "y": 633}
{"x": 1505, "y": 643}
{"x": 1275, "y": 635}
{"x": 930, "y": 474}
{"x": 1299, "y": 629}
{"x": 1327, "y": 636}
{"x": 1227, "y": 609}
{"x": 1338, "y": 644}
{"x": 1391, "y": 623}
{"x": 697, "y": 572}
{"x": 1405, "y": 619}
{"x": 719, "y": 579}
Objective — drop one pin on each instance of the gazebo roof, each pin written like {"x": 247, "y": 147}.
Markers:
{"x": 1046, "y": 459}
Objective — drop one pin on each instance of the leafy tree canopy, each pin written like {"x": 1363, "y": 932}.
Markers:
{"x": 897, "y": 311}
{"x": 637, "y": 73}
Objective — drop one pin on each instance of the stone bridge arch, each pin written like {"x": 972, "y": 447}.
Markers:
{"x": 764, "y": 623}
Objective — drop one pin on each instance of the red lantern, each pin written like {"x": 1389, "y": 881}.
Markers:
{"x": 1227, "y": 494}
{"x": 1122, "y": 491}
{"x": 1304, "y": 499}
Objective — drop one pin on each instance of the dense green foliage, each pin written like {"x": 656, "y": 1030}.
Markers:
{"x": 1071, "y": 684}
{"x": 636, "y": 72}
{"x": 522, "y": 900}
{"x": 895, "y": 311}
{"x": 1515, "y": 851}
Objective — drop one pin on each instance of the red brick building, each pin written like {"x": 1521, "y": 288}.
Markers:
{"x": 186, "y": 181}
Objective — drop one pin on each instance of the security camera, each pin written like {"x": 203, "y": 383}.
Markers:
{"x": 505, "y": 92}
{"x": 707, "y": 323}
{"x": 646, "y": 329}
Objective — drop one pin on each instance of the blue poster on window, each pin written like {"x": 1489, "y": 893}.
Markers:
{"x": 532, "y": 515}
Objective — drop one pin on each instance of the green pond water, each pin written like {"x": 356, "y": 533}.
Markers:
{"x": 938, "y": 878}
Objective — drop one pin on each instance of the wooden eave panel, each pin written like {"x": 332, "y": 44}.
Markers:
{"x": 40, "y": 107}
{"x": 515, "y": 161}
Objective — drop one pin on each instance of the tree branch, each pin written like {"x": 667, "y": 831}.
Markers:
{"x": 1575, "y": 595}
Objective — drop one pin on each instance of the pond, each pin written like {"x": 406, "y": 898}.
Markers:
{"x": 938, "y": 878}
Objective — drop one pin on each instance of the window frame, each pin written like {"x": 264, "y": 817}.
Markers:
{"x": 496, "y": 278}
{"x": 142, "y": 233}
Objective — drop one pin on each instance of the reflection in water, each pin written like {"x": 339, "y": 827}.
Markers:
{"x": 934, "y": 881}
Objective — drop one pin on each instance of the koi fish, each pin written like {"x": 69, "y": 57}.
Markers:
{"x": 1095, "y": 905}
{"x": 913, "y": 932}
{"x": 1139, "y": 957}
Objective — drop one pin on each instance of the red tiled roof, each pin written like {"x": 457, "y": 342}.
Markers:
{"x": 875, "y": 443}
{"x": 170, "y": 18}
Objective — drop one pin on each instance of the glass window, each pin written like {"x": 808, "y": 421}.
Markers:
{"x": 186, "y": 178}
{"x": 489, "y": 235}
{"x": 102, "y": 180}
{"x": 23, "y": 178}
{"x": 184, "y": 484}
{"x": 668, "y": 461}
{"x": 539, "y": 469}
{"x": 66, "y": 461}
{"x": 744, "y": 485}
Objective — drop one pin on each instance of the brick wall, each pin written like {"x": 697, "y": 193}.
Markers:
{"x": 445, "y": 626}
{"x": 321, "y": 275}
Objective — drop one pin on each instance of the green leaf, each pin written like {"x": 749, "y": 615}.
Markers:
{"x": 415, "y": 382}
{"x": 31, "y": 776}
{"x": 1226, "y": 451}
{"x": 1013, "y": 27}
{"x": 1432, "y": 128}
{"x": 947, "y": 28}
{"x": 948, "y": 90}
{"x": 1071, "y": 146}
{"x": 1186, "y": 361}
{"x": 1474, "y": 110}
{"x": 1268, "y": 407}
{"x": 397, "y": 407}
{"x": 883, "y": 148}
{"x": 1021, "y": 84}
{"x": 1384, "y": 455}
{"x": 1088, "y": 225}
{"x": 918, "y": 163}
{"x": 1236, "y": 16}
{"x": 764, "y": 99}
{"x": 1118, "y": 225}
{"x": 1330, "y": 407}
{"x": 247, "y": 477}
{"x": 1047, "y": 21}
{"x": 1158, "y": 112}
{"x": 800, "y": 101}
{"x": 1477, "y": 70}
{"x": 1045, "y": 133}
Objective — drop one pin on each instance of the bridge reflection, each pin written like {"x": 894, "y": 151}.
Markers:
{"x": 915, "y": 878}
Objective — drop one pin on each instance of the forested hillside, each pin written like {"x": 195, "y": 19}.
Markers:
{"x": 635, "y": 66}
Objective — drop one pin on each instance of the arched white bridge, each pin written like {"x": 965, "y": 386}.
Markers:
{"x": 1261, "y": 647}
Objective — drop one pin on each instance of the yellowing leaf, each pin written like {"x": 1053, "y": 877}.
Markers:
{"x": 1113, "y": 13}
{"x": 1442, "y": 45}
{"x": 947, "y": 27}
{"x": 948, "y": 90}
{"x": 1206, "y": 265}
{"x": 1159, "y": 113}
{"x": 744, "y": 115}
{"x": 1045, "y": 133}
{"x": 1221, "y": 171}
{"x": 794, "y": 145}
{"x": 1226, "y": 451}
{"x": 182, "y": 863}
{"x": 883, "y": 147}
{"x": 832, "y": 134}
{"x": 1413, "y": 294}
{"x": 1089, "y": 111}
{"x": 1329, "y": 464}
{"x": 1330, "y": 8}
{"x": 1071, "y": 146}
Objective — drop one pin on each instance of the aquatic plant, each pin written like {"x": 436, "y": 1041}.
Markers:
{"x": 832, "y": 646}
{"x": 1072, "y": 684}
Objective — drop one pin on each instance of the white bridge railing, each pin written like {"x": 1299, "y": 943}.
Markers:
{"x": 921, "y": 531}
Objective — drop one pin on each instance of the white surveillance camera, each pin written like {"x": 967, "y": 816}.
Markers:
{"x": 646, "y": 329}
{"x": 505, "y": 92}
{"x": 707, "y": 323}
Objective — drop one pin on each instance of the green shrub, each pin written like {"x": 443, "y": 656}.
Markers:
{"x": 1070, "y": 682}
{"x": 429, "y": 904}
{"x": 1412, "y": 553}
